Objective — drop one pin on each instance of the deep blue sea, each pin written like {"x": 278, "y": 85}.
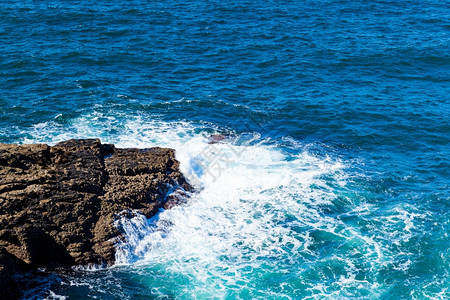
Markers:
{"x": 333, "y": 182}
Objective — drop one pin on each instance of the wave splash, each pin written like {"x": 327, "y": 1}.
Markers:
{"x": 269, "y": 219}
{"x": 259, "y": 211}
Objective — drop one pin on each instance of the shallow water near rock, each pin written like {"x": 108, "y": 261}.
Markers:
{"x": 331, "y": 179}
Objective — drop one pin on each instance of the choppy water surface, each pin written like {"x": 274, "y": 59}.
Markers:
{"x": 334, "y": 181}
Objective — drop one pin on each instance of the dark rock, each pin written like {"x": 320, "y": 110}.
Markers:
{"x": 9, "y": 267}
{"x": 175, "y": 198}
{"x": 216, "y": 138}
{"x": 58, "y": 204}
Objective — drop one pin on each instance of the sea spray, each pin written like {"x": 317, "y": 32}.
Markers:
{"x": 269, "y": 219}
{"x": 255, "y": 203}
{"x": 134, "y": 227}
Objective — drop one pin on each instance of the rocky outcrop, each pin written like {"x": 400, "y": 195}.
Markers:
{"x": 58, "y": 204}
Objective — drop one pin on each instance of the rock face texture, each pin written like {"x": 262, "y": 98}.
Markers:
{"x": 58, "y": 204}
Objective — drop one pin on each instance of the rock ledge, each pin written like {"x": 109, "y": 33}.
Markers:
{"x": 58, "y": 204}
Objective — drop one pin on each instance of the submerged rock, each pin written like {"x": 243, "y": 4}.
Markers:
{"x": 216, "y": 138}
{"x": 58, "y": 204}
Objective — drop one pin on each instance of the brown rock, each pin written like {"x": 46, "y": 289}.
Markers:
{"x": 58, "y": 204}
{"x": 216, "y": 138}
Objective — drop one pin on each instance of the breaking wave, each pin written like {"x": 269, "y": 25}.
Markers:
{"x": 269, "y": 218}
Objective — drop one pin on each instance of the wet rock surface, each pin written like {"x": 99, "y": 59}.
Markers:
{"x": 58, "y": 204}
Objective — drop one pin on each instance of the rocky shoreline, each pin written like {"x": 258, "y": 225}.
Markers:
{"x": 58, "y": 203}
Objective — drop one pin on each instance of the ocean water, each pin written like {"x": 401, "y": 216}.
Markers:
{"x": 333, "y": 182}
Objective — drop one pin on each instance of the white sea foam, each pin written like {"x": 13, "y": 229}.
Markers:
{"x": 260, "y": 210}
{"x": 53, "y": 296}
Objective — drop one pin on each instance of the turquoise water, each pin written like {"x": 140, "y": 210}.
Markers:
{"x": 334, "y": 181}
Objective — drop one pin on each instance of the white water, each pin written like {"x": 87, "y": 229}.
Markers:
{"x": 260, "y": 213}
{"x": 242, "y": 205}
